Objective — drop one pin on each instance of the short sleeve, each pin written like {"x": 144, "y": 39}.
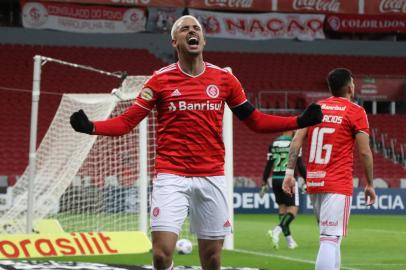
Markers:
{"x": 149, "y": 93}
{"x": 360, "y": 121}
{"x": 236, "y": 94}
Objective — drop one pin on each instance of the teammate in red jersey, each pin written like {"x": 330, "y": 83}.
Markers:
{"x": 330, "y": 162}
{"x": 190, "y": 96}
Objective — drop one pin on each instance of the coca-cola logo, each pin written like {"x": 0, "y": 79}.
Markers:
{"x": 318, "y": 5}
{"x": 392, "y": 6}
{"x": 229, "y": 3}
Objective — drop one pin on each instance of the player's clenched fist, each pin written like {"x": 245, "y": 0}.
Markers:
{"x": 80, "y": 122}
{"x": 311, "y": 116}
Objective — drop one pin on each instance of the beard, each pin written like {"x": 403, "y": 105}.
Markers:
{"x": 184, "y": 50}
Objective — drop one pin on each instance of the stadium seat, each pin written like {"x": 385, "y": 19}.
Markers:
{"x": 299, "y": 71}
{"x": 380, "y": 183}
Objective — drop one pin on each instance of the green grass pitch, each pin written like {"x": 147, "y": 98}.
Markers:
{"x": 373, "y": 243}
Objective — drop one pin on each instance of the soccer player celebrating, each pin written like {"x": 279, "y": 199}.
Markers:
{"x": 278, "y": 154}
{"x": 189, "y": 96}
{"x": 329, "y": 168}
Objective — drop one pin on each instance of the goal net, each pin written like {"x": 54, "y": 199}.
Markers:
{"x": 87, "y": 183}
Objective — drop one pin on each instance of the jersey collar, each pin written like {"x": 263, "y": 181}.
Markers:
{"x": 201, "y": 73}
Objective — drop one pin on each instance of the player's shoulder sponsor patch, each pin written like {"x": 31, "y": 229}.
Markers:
{"x": 147, "y": 94}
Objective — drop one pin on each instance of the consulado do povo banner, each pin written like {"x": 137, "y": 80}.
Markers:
{"x": 82, "y": 18}
{"x": 390, "y": 201}
{"x": 260, "y": 26}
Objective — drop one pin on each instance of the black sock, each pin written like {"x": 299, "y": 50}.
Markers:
{"x": 280, "y": 216}
{"x": 285, "y": 221}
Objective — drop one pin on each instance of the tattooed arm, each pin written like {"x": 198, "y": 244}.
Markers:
{"x": 289, "y": 182}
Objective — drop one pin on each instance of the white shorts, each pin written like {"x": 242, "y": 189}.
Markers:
{"x": 202, "y": 198}
{"x": 332, "y": 212}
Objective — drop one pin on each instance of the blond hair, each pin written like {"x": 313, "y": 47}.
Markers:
{"x": 177, "y": 23}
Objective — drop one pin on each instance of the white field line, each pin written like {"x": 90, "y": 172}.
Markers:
{"x": 384, "y": 231}
{"x": 287, "y": 258}
{"x": 377, "y": 264}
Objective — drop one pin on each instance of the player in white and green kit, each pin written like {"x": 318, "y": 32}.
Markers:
{"x": 278, "y": 154}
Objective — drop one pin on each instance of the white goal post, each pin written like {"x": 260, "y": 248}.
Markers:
{"x": 92, "y": 183}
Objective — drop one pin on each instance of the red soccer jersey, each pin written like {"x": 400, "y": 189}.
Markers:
{"x": 190, "y": 117}
{"x": 330, "y": 160}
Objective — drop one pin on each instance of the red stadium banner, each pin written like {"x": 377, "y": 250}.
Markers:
{"x": 318, "y": 6}
{"x": 235, "y": 5}
{"x": 259, "y": 26}
{"x": 366, "y": 23}
{"x": 82, "y": 18}
{"x": 379, "y": 88}
{"x": 141, "y": 3}
{"x": 385, "y": 7}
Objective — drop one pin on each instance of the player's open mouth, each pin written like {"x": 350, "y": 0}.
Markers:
{"x": 193, "y": 42}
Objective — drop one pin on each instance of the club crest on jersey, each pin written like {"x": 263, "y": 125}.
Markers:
{"x": 212, "y": 91}
{"x": 147, "y": 94}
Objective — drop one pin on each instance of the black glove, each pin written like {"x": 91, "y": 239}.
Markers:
{"x": 311, "y": 116}
{"x": 80, "y": 122}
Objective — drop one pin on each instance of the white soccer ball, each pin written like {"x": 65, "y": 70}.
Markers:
{"x": 184, "y": 246}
